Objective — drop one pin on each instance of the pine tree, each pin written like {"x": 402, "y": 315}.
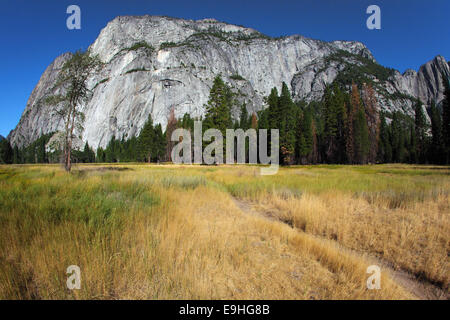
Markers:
{"x": 373, "y": 120}
{"x": 146, "y": 140}
{"x": 85, "y": 154}
{"x": 437, "y": 147}
{"x": 305, "y": 141}
{"x": 335, "y": 121}
{"x": 361, "y": 137}
{"x": 287, "y": 125}
{"x": 244, "y": 122}
{"x": 41, "y": 155}
{"x": 218, "y": 108}
{"x": 357, "y": 139}
{"x": 88, "y": 155}
{"x": 270, "y": 117}
{"x": 263, "y": 117}
{"x": 397, "y": 138}
{"x": 73, "y": 81}
{"x": 384, "y": 143}
{"x": 411, "y": 148}
{"x": 349, "y": 138}
{"x": 274, "y": 113}
{"x": 281, "y": 114}
{"x": 330, "y": 119}
{"x": 16, "y": 155}
{"x": 6, "y": 152}
{"x": 160, "y": 143}
{"x": 111, "y": 152}
{"x": 420, "y": 132}
{"x": 101, "y": 157}
{"x": 315, "y": 143}
{"x": 130, "y": 150}
{"x": 341, "y": 101}
{"x": 446, "y": 118}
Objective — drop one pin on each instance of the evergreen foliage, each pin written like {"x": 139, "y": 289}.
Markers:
{"x": 437, "y": 149}
{"x": 344, "y": 127}
{"x": 420, "y": 133}
{"x": 72, "y": 80}
{"x": 146, "y": 146}
{"x": 305, "y": 137}
{"x": 6, "y": 152}
{"x": 446, "y": 118}
{"x": 218, "y": 108}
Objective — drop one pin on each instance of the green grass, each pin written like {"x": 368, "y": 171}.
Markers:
{"x": 41, "y": 195}
{"x": 410, "y": 183}
{"x": 189, "y": 182}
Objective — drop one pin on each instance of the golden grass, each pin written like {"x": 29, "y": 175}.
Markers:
{"x": 176, "y": 232}
{"x": 402, "y": 217}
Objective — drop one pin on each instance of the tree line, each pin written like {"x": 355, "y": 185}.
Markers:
{"x": 343, "y": 128}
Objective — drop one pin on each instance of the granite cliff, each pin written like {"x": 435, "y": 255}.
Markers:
{"x": 153, "y": 64}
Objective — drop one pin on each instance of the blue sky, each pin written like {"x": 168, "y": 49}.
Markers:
{"x": 33, "y": 33}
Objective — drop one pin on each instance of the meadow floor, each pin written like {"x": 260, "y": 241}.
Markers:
{"x": 224, "y": 232}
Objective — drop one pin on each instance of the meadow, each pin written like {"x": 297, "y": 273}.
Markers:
{"x": 224, "y": 232}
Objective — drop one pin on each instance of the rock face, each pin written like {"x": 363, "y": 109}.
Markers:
{"x": 153, "y": 64}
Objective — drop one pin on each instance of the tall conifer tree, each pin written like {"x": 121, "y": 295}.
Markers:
{"x": 446, "y": 117}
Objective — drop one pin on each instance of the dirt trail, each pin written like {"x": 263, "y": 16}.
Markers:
{"x": 421, "y": 289}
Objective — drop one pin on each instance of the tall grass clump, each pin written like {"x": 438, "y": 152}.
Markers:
{"x": 184, "y": 182}
{"x": 50, "y": 220}
{"x": 393, "y": 212}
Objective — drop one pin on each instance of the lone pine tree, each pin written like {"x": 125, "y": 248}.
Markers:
{"x": 72, "y": 81}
